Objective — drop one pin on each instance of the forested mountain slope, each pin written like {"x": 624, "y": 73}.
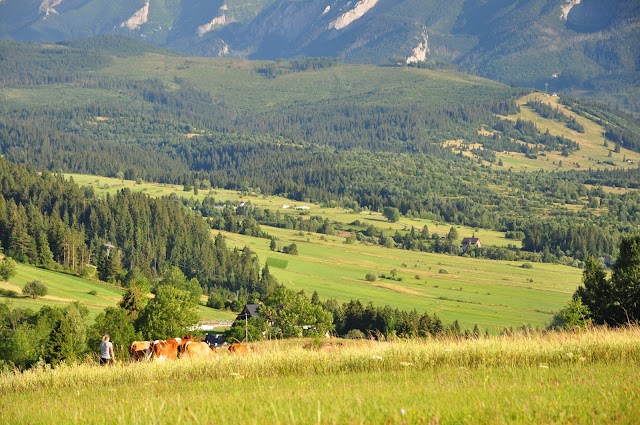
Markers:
{"x": 588, "y": 45}
{"x": 431, "y": 143}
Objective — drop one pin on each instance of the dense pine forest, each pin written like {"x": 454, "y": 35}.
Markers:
{"x": 50, "y": 222}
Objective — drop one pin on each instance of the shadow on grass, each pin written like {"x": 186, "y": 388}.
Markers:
{"x": 7, "y": 293}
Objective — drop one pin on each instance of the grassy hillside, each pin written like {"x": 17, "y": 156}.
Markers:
{"x": 103, "y": 185}
{"x": 585, "y": 377}
{"x": 64, "y": 288}
{"x": 492, "y": 294}
{"x": 592, "y": 154}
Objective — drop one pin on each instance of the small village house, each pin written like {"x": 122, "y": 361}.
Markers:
{"x": 472, "y": 242}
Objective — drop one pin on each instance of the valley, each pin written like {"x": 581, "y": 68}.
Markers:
{"x": 351, "y": 140}
{"x": 411, "y": 234}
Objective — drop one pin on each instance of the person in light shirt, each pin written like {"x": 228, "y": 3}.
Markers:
{"x": 106, "y": 351}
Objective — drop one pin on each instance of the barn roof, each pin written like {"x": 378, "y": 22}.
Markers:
{"x": 250, "y": 311}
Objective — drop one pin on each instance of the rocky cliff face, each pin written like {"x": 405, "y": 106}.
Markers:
{"x": 138, "y": 19}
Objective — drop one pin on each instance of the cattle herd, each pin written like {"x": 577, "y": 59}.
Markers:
{"x": 173, "y": 348}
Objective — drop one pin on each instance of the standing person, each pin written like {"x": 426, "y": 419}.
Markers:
{"x": 106, "y": 351}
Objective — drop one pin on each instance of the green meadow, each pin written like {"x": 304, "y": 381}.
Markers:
{"x": 491, "y": 294}
{"x": 62, "y": 289}
{"x": 104, "y": 185}
{"x": 587, "y": 377}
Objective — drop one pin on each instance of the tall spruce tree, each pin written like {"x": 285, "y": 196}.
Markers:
{"x": 596, "y": 292}
{"x": 614, "y": 301}
{"x": 625, "y": 281}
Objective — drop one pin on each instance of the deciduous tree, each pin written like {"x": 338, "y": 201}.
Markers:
{"x": 391, "y": 213}
{"x": 35, "y": 289}
{"x": 167, "y": 315}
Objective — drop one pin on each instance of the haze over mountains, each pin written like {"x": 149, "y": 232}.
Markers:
{"x": 590, "y": 45}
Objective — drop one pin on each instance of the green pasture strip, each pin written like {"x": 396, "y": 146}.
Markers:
{"x": 589, "y": 377}
{"x": 206, "y": 313}
{"x": 56, "y": 97}
{"x": 277, "y": 262}
{"x": 103, "y": 185}
{"x": 492, "y": 294}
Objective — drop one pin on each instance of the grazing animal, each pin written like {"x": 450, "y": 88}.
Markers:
{"x": 165, "y": 349}
{"x": 168, "y": 349}
{"x": 140, "y": 350}
{"x": 197, "y": 350}
{"x": 238, "y": 348}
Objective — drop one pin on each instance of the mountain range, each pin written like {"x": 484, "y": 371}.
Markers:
{"x": 581, "y": 45}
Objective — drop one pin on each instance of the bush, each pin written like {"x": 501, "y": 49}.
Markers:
{"x": 527, "y": 266}
{"x": 7, "y": 269}
{"x": 443, "y": 271}
{"x": 216, "y": 301}
{"x": 291, "y": 249}
{"x": 35, "y": 289}
{"x": 517, "y": 235}
{"x": 355, "y": 334}
{"x": 573, "y": 315}
{"x": 371, "y": 277}
{"x": 93, "y": 292}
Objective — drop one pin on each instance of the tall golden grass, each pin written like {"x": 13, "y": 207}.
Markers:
{"x": 288, "y": 358}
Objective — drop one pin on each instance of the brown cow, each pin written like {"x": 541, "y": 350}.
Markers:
{"x": 238, "y": 348}
{"x": 168, "y": 349}
{"x": 197, "y": 350}
{"x": 140, "y": 350}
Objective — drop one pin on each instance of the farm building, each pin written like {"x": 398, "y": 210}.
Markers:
{"x": 471, "y": 242}
{"x": 250, "y": 311}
